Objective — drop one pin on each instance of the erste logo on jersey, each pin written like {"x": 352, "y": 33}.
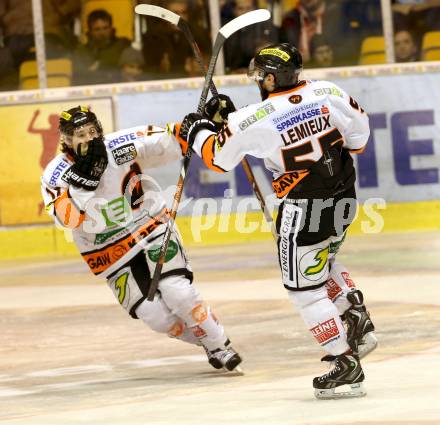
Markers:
{"x": 124, "y": 154}
{"x": 125, "y": 138}
{"x": 60, "y": 168}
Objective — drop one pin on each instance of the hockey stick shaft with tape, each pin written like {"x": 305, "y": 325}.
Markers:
{"x": 176, "y": 20}
{"x": 224, "y": 33}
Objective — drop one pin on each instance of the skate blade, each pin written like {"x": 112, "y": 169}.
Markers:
{"x": 369, "y": 344}
{"x": 355, "y": 391}
{"x": 237, "y": 371}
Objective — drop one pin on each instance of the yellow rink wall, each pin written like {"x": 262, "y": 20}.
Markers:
{"x": 48, "y": 241}
{"x": 391, "y": 169}
{"x": 29, "y": 139}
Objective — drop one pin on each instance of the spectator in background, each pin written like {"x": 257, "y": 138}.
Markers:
{"x": 59, "y": 17}
{"x": 430, "y": 10}
{"x": 226, "y": 10}
{"x": 18, "y": 29}
{"x": 97, "y": 61}
{"x": 166, "y": 51}
{"x": 8, "y": 73}
{"x": 361, "y": 19}
{"x": 321, "y": 51}
{"x": 301, "y": 23}
{"x": 405, "y": 48}
{"x": 416, "y": 16}
{"x": 131, "y": 65}
{"x": 199, "y": 17}
{"x": 241, "y": 46}
{"x": 192, "y": 67}
{"x": 16, "y": 21}
{"x": 310, "y": 17}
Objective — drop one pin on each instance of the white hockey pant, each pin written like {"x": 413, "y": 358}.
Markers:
{"x": 179, "y": 312}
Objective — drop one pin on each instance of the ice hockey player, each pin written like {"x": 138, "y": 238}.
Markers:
{"x": 306, "y": 132}
{"x": 97, "y": 187}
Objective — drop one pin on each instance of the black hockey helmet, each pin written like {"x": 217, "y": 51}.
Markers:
{"x": 282, "y": 60}
{"x": 78, "y": 117}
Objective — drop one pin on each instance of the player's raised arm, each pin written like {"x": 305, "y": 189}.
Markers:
{"x": 159, "y": 146}
{"x": 218, "y": 139}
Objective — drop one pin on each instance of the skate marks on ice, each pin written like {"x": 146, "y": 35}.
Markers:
{"x": 91, "y": 361}
{"x": 274, "y": 402}
{"x": 69, "y": 355}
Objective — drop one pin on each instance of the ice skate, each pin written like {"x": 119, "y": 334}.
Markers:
{"x": 360, "y": 328}
{"x": 225, "y": 358}
{"x": 366, "y": 345}
{"x": 345, "y": 380}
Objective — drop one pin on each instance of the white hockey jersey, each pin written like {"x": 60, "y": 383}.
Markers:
{"x": 126, "y": 211}
{"x": 292, "y": 131}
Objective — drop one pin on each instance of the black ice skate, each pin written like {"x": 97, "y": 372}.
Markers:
{"x": 343, "y": 381}
{"x": 366, "y": 345}
{"x": 360, "y": 336}
{"x": 225, "y": 358}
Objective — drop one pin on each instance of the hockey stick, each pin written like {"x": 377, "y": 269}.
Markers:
{"x": 176, "y": 20}
{"x": 224, "y": 33}
{"x": 253, "y": 182}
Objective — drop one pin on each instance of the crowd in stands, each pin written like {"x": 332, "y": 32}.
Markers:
{"x": 240, "y": 47}
{"x": 327, "y": 32}
{"x": 412, "y": 20}
{"x": 17, "y": 35}
{"x": 165, "y": 48}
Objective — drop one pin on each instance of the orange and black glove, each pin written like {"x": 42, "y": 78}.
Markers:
{"x": 192, "y": 124}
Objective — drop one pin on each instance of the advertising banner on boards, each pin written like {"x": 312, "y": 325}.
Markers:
{"x": 401, "y": 162}
{"x": 29, "y": 139}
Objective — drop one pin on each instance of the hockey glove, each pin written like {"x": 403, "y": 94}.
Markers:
{"x": 192, "y": 124}
{"x": 90, "y": 163}
{"x": 218, "y": 108}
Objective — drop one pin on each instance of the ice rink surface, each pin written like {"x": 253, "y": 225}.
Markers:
{"x": 70, "y": 355}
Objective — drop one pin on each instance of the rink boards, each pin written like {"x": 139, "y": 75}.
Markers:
{"x": 400, "y": 165}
